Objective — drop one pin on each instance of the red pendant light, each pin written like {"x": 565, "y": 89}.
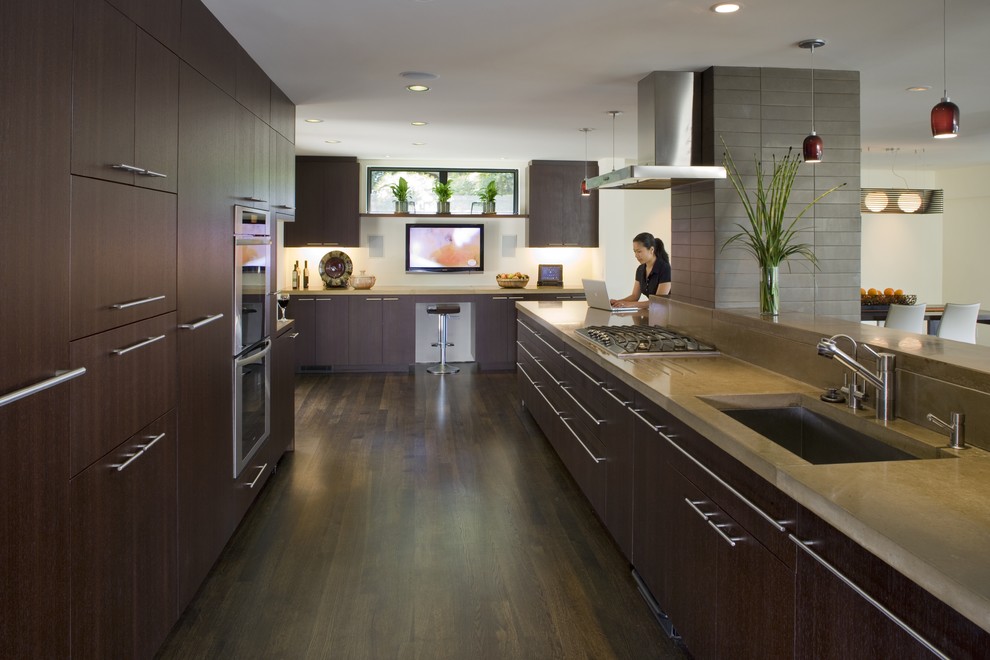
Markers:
{"x": 945, "y": 114}
{"x": 584, "y": 182}
{"x": 813, "y": 146}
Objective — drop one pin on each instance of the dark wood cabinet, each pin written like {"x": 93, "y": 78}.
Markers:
{"x": 159, "y": 18}
{"x": 207, "y": 47}
{"x": 617, "y": 436}
{"x": 252, "y": 165}
{"x": 398, "y": 331}
{"x": 283, "y": 177}
{"x": 559, "y": 216}
{"x": 130, "y": 380}
{"x": 302, "y": 309}
{"x": 283, "y": 389}
{"x": 134, "y": 230}
{"x": 35, "y": 122}
{"x": 283, "y": 114}
{"x": 253, "y": 88}
{"x": 495, "y": 330}
{"x": 331, "y": 333}
{"x": 365, "y": 330}
{"x": 381, "y": 332}
{"x": 124, "y": 101}
{"x": 205, "y": 257}
{"x": 841, "y": 617}
{"x": 123, "y": 547}
{"x": 327, "y": 192}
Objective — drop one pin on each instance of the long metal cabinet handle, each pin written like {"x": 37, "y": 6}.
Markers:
{"x": 567, "y": 390}
{"x": 293, "y": 335}
{"x": 707, "y": 518}
{"x": 322, "y": 244}
{"x": 286, "y": 207}
{"x": 804, "y": 545}
{"x": 135, "y": 303}
{"x": 153, "y": 173}
{"x": 260, "y": 472}
{"x": 134, "y": 169}
{"x": 59, "y": 378}
{"x": 256, "y": 199}
{"x": 539, "y": 390}
{"x": 134, "y": 347}
{"x": 763, "y": 514}
{"x": 611, "y": 393}
{"x": 200, "y": 324}
{"x": 596, "y": 459}
{"x": 531, "y": 331}
{"x": 523, "y": 370}
{"x": 539, "y": 363}
{"x": 549, "y": 345}
{"x": 525, "y": 350}
{"x": 580, "y": 370}
{"x": 153, "y": 439}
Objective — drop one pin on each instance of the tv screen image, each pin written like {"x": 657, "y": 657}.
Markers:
{"x": 435, "y": 248}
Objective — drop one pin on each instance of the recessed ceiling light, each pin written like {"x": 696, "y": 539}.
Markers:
{"x": 919, "y": 88}
{"x": 726, "y": 7}
{"x": 417, "y": 88}
{"x": 332, "y": 141}
{"x": 418, "y": 75}
{"x": 418, "y": 144}
{"x": 419, "y": 123}
{"x": 313, "y": 121}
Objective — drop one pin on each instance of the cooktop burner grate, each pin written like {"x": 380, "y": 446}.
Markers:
{"x": 645, "y": 341}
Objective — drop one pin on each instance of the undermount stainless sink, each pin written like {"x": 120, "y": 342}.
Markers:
{"x": 814, "y": 438}
{"x": 790, "y": 422}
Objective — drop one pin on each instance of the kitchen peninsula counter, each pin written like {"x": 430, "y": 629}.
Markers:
{"x": 928, "y": 519}
{"x": 480, "y": 289}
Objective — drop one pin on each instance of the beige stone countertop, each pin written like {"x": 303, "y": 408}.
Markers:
{"x": 929, "y": 519}
{"x": 436, "y": 290}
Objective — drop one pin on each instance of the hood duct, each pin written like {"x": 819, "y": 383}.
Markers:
{"x": 669, "y": 136}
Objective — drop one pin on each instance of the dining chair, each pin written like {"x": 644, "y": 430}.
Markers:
{"x": 906, "y": 317}
{"x": 959, "y": 322}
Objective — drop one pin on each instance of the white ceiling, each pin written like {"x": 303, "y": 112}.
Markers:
{"x": 518, "y": 78}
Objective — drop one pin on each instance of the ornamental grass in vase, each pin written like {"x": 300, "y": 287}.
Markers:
{"x": 769, "y": 237}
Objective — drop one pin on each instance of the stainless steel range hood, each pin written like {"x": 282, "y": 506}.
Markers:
{"x": 669, "y": 137}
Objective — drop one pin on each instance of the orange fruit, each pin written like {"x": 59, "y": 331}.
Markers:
{"x": 872, "y": 292}
{"x": 888, "y": 291}
{"x": 862, "y": 291}
{"x": 899, "y": 292}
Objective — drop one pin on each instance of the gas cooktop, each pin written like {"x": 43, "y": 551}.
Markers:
{"x": 627, "y": 341}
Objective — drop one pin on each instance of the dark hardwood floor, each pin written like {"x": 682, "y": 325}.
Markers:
{"x": 419, "y": 517}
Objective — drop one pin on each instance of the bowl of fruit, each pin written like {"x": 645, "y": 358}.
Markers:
{"x": 515, "y": 280}
{"x": 886, "y": 296}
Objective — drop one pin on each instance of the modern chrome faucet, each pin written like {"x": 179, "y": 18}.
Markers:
{"x": 882, "y": 380}
{"x": 957, "y": 429}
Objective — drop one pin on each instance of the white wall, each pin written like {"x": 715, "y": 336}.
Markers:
{"x": 622, "y": 215}
{"x": 902, "y": 251}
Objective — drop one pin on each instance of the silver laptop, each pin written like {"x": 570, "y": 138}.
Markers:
{"x": 597, "y": 297}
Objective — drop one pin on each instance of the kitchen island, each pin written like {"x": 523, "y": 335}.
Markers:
{"x": 928, "y": 520}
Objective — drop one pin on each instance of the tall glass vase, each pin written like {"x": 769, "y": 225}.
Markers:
{"x": 769, "y": 290}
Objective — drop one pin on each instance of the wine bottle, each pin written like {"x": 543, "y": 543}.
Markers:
{"x": 306, "y": 274}
{"x": 295, "y": 275}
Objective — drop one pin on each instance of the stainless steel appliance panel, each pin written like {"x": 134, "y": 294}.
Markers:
{"x": 252, "y": 403}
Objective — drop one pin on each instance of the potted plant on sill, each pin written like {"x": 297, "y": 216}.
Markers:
{"x": 767, "y": 237}
{"x": 400, "y": 191}
{"x": 487, "y": 197}
{"x": 443, "y": 192}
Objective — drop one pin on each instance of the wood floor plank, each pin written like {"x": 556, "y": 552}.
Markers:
{"x": 419, "y": 517}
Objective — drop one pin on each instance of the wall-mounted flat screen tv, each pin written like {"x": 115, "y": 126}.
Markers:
{"x": 449, "y": 248}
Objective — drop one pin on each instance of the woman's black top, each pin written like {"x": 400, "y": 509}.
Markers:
{"x": 659, "y": 275}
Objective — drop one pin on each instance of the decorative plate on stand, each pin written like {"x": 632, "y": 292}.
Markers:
{"x": 335, "y": 269}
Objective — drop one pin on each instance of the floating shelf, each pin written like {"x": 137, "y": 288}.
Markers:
{"x": 436, "y": 215}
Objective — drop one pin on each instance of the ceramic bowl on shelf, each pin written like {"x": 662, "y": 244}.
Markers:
{"x": 362, "y": 281}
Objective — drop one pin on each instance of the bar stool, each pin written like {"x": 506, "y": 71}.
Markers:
{"x": 442, "y": 310}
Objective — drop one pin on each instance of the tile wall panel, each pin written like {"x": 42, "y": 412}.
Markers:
{"x": 766, "y": 112}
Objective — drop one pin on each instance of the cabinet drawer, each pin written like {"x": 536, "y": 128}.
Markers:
{"x": 122, "y": 254}
{"x": 123, "y": 547}
{"x": 130, "y": 380}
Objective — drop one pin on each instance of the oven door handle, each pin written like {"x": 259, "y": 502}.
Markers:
{"x": 255, "y": 357}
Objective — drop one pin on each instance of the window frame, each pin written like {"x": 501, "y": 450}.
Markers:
{"x": 442, "y": 173}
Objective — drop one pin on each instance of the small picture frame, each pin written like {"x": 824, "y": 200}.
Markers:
{"x": 550, "y": 275}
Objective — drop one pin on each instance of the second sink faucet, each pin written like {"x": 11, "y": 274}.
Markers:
{"x": 882, "y": 380}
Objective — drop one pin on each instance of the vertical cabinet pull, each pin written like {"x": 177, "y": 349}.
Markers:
{"x": 59, "y": 378}
{"x": 805, "y": 546}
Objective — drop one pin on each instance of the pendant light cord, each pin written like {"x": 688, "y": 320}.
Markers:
{"x": 812, "y": 88}
{"x": 945, "y": 84}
